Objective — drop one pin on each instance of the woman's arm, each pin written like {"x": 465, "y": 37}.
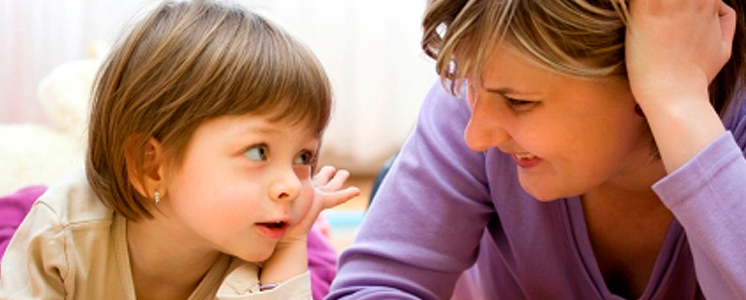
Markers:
{"x": 674, "y": 50}
{"x": 708, "y": 197}
{"x": 424, "y": 226}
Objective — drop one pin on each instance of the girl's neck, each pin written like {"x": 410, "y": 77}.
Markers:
{"x": 166, "y": 262}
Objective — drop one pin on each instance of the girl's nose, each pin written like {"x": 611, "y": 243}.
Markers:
{"x": 285, "y": 187}
{"x": 485, "y": 129}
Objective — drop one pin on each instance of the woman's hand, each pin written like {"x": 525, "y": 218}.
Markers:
{"x": 671, "y": 43}
{"x": 290, "y": 257}
{"x": 674, "y": 49}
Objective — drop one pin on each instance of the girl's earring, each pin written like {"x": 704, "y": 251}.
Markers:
{"x": 638, "y": 110}
{"x": 157, "y": 197}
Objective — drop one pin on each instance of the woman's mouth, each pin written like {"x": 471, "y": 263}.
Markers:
{"x": 526, "y": 160}
{"x": 274, "y": 229}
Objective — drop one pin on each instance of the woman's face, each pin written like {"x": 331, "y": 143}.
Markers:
{"x": 567, "y": 135}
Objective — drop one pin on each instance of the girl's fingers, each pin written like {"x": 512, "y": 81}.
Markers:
{"x": 338, "y": 181}
{"x": 338, "y": 197}
{"x": 330, "y": 179}
{"x": 329, "y": 182}
{"x": 324, "y": 175}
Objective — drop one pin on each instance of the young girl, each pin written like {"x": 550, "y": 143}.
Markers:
{"x": 203, "y": 138}
{"x": 597, "y": 154}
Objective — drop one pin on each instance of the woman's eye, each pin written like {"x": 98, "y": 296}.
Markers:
{"x": 257, "y": 153}
{"x": 519, "y": 104}
{"x": 304, "y": 158}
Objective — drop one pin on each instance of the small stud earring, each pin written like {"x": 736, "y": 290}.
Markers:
{"x": 638, "y": 110}
{"x": 157, "y": 197}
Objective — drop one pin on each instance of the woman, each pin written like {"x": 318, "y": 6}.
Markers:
{"x": 598, "y": 154}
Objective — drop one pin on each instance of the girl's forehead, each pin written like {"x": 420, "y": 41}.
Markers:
{"x": 258, "y": 124}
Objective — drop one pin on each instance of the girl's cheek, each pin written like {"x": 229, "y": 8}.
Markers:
{"x": 303, "y": 204}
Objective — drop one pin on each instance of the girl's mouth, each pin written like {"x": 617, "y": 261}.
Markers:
{"x": 274, "y": 229}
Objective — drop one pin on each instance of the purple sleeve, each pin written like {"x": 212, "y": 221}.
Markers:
{"x": 13, "y": 208}
{"x": 322, "y": 263}
{"x": 708, "y": 197}
{"x": 425, "y": 224}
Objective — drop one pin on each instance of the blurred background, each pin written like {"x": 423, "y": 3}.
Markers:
{"x": 370, "y": 50}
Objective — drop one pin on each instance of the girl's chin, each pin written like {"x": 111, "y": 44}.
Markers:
{"x": 254, "y": 257}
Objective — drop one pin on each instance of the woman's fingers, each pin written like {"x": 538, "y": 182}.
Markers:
{"x": 673, "y": 44}
{"x": 728, "y": 19}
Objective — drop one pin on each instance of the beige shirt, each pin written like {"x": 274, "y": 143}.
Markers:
{"x": 71, "y": 246}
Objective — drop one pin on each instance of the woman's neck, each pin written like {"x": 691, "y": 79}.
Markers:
{"x": 629, "y": 192}
{"x": 166, "y": 262}
{"x": 627, "y": 225}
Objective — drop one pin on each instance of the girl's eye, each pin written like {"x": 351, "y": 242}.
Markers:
{"x": 257, "y": 153}
{"x": 305, "y": 158}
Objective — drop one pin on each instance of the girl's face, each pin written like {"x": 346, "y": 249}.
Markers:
{"x": 567, "y": 135}
{"x": 243, "y": 180}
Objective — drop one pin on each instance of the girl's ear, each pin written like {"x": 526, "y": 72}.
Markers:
{"x": 146, "y": 170}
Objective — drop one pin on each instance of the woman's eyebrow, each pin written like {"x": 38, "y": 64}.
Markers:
{"x": 507, "y": 91}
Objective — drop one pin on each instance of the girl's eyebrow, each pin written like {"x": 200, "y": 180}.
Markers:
{"x": 261, "y": 129}
{"x": 266, "y": 129}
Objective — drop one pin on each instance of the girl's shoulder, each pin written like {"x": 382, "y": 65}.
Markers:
{"x": 72, "y": 201}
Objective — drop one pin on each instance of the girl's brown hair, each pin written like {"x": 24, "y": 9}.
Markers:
{"x": 575, "y": 37}
{"x": 183, "y": 64}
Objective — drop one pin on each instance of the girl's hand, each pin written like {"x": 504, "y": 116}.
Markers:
{"x": 328, "y": 193}
{"x": 673, "y": 50}
{"x": 290, "y": 257}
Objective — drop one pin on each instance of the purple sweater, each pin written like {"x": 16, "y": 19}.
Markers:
{"x": 444, "y": 208}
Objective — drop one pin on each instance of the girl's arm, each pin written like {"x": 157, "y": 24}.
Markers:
{"x": 34, "y": 263}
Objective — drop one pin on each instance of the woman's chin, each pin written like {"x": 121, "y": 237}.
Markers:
{"x": 543, "y": 194}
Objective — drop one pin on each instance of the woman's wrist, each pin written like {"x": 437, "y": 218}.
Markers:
{"x": 682, "y": 126}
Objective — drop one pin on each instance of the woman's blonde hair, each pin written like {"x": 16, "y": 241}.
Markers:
{"x": 183, "y": 64}
{"x": 575, "y": 37}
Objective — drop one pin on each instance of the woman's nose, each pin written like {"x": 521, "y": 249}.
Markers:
{"x": 285, "y": 187}
{"x": 485, "y": 129}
